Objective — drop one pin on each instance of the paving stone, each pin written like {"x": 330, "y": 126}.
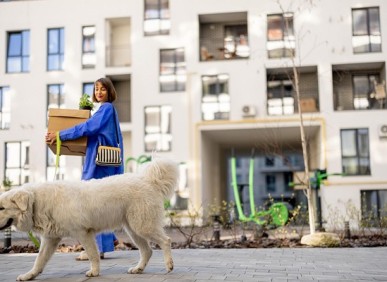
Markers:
{"x": 246, "y": 265}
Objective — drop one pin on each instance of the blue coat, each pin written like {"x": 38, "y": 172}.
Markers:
{"x": 102, "y": 127}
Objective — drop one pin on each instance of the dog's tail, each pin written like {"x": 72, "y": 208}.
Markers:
{"x": 163, "y": 174}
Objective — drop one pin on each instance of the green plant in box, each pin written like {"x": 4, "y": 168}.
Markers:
{"x": 85, "y": 103}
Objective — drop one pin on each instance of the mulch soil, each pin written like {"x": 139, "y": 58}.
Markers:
{"x": 235, "y": 243}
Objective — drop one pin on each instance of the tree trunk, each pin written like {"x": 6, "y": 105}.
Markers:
{"x": 309, "y": 194}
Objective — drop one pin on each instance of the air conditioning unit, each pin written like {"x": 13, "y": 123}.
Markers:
{"x": 383, "y": 130}
{"x": 248, "y": 111}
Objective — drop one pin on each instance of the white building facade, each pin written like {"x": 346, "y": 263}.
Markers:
{"x": 202, "y": 81}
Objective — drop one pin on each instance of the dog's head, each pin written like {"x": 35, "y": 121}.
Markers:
{"x": 16, "y": 209}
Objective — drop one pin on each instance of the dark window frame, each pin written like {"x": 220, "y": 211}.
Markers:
{"x": 23, "y": 54}
{"x": 368, "y": 34}
{"x": 357, "y": 156}
{"x": 160, "y": 17}
{"x": 177, "y": 87}
{"x": 4, "y": 91}
{"x": 21, "y": 167}
{"x": 168, "y": 132}
{"x": 371, "y": 77}
{"x": 286, "y": 34}
{"x": 58, "y": 55}
{"x": 222, "y": 115}
{"x": 373, "y": 210}
{"x": 88, "y": 51}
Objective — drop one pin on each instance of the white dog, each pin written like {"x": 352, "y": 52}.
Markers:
{"x": 81, "y": 209}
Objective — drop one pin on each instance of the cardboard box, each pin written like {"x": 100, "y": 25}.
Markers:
{"x": 59, "y": 119}
{"x": 308, "y": 105}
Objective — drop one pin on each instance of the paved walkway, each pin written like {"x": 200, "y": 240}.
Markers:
{"x": 306, "y": 264}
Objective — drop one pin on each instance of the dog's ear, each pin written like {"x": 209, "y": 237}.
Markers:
{"x": 21, "y": 199}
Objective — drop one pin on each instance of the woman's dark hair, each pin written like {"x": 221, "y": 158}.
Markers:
{"x": 108, "y": 84}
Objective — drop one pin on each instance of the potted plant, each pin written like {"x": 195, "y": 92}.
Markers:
{"x": 85, "y": 103}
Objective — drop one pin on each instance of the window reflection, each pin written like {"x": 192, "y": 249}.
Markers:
{"x": 18, "y": 51}
{"x": 366, "y": 30}
{"x": 158, "y": 128}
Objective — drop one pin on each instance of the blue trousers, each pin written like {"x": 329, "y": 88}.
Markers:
{"x": 105, "y": 242}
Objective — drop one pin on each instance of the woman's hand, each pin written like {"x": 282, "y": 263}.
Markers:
{"x": 51, "y": 137}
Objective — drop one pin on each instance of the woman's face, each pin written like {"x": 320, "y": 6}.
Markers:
{"x": 101, "y": 93}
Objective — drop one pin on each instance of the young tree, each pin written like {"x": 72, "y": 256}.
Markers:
{"x": 294, "y": 76}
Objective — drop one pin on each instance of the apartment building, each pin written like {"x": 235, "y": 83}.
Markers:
{"x": 204, "y": 82}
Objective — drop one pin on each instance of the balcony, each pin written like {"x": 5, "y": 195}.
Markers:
{"x": 281, "y": 94}
{"x": 359, "y": 86}
{"x": 224, "y": 36}
{"x": 118, "y": 48}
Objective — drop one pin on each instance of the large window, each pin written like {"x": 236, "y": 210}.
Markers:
{"x": 364, "y": 96}
{"x": 280, "y": 99}
{"x": 88, "y": 88}
{"x": 374, "y": 207}
{"x": 280, "y": 36}
{"x": 53, "y": 172}
{"x": 172, "y": 70}
{"x": 271, "y": 183}
{"x": 366, "y": 35}
{"x": 18, "y": 51}
{"x": 179, "y": 200}
{"x": 158, "y": 128}
{"x": 55, "y": 51}
{"x": 216, "y": 97}
{"x": 5, "y": 108}
{"x": 88, "y": 47}
{"x": 355, "y": 154}
{"x": 17, "y": 162}
{"x": 55, "y": 96}
{"x": 156, "y": 17}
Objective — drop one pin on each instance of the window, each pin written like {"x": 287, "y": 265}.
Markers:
{"x": 88, "y": 88}
{"x": 179, "y": 200}
{"x": 280, "y": 99}
{"x": 156, "y": 17}
{"x": 216, "y": 99}
{"x": 88, "y": 47}
{"x": 269, "y": 161}
{"x": 55, "y": 51}
{"x": 5, "y": 108}
{"x": 270, "y": 183}
{"x": 18, "y": 51}
{"x": 366, "y": 35}
{"x": 17, "y": 162}
{"x": 355, "y": 154}
{"x": 280, "y": 36}
{"x": 53, "y": 173}
{"x": 364, "y": 92}
{"x": 158, "y": 128}
{"x": 172, "y": 70}
{"x": 374, "y": 206}
{"x": 236, "y": 41}
{"x": 55, "y": 96}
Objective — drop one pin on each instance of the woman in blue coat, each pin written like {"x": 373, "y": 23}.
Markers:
{"x": 101, "y": 128}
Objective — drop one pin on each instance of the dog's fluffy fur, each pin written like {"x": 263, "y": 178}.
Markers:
{"x": 81, "y": 209}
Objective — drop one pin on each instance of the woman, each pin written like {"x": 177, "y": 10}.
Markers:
{"x": 101, "y": 128}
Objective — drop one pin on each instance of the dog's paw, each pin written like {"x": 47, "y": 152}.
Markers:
{"x": 92, "y": 273}
{"x": 26, "y": 276}
{"x": 169, "y": 265}
{"x": 135, "y": 270}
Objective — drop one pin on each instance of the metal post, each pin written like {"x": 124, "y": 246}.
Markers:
{"x": 7, "y": 237}
{"x": 347, "y": 231}
{"x": 216, "y": 227}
